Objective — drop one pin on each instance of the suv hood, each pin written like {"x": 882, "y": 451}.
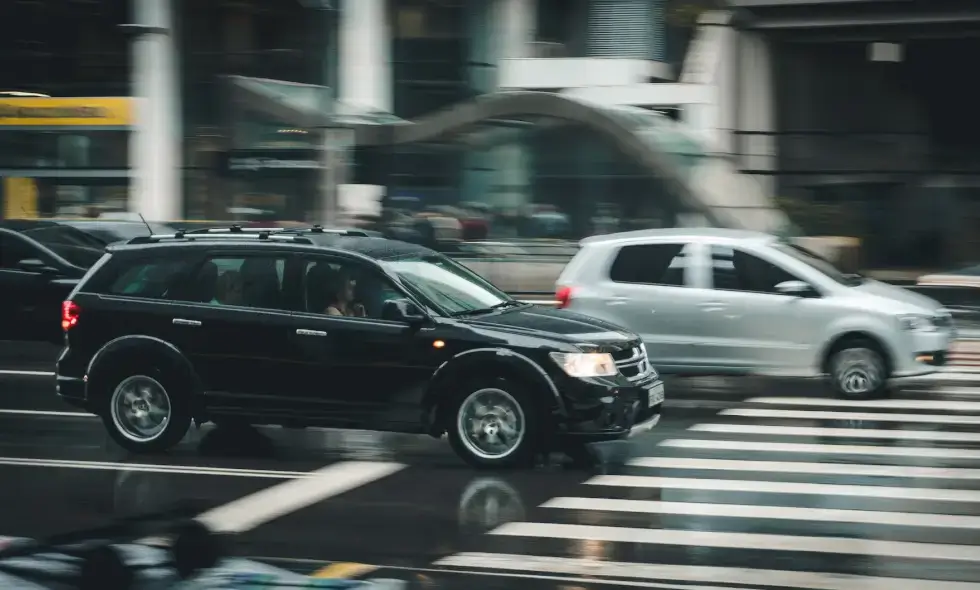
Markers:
{"x": 553, "y": 324}
{"x": 899, "y": 294}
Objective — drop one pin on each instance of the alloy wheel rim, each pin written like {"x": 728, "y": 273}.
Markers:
{"x": 858, "y": 371}
{"x": 140, "y": 408}
{"x": 490, "y": 423}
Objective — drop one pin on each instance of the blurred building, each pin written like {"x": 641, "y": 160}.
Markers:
{"x": 233, "y": 97}
{"x": 873, "y": 129}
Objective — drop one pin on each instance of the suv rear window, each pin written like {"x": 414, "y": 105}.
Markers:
{"x": 151, "y": 279}
{"x": 650, "y": 264}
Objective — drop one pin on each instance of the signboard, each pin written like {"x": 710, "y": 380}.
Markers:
{"x": 66, "y": 112}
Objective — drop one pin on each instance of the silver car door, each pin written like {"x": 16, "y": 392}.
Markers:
{"x": 645, "y": 292}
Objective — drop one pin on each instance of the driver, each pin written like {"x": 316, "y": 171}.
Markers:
{"x": 341, "y": 286}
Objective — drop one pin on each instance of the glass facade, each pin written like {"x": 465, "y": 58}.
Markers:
{"x": 63, "y": 155}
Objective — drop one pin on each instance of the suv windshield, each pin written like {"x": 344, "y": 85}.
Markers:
{"x": 817, "y": 262}
{"x": 449, "y": 286}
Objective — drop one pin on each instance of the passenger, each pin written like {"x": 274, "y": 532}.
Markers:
{"x": 229, "y": 290}
{"x": 341, "y": 289}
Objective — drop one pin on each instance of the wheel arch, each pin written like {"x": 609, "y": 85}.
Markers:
{"x": 135, "y": 350}
{"x": 834, "y": 344}
{"x": 498, "y": 362}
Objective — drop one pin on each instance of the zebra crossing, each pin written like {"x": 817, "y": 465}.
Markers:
{"x": 779, "y": 492}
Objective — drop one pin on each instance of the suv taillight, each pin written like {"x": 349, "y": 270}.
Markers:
{"x": 564, "y": 296}
{"x": 69, "y": 314}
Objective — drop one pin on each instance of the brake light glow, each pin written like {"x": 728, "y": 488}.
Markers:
{"x": 564, "y": 297}
{"x": 69, "y": 314}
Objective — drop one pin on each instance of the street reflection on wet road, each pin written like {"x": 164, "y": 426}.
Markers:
{"x": 760, "y": 484}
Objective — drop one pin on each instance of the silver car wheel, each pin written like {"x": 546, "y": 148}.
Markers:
{"x": 140, "y": 408}
{"x": 490, "y": 424}
{"x": 858, "y": 371}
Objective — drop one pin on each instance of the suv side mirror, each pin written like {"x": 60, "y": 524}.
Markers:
{"x": 402, "y": 310}
{"x": 795, "y": 288}
{"x": 35, "y": 265}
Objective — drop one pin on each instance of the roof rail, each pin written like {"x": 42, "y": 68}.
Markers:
{"x": 265, "y": 235}
{"x": 319, "y": 229}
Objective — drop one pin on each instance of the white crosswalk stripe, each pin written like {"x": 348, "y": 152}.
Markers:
{"x": 782, "y": 494}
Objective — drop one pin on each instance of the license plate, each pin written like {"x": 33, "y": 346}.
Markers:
{"x": 656, "y": 394}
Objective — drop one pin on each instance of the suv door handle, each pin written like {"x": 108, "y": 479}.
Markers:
{"x": 617, "y": 300}
{"x": 302, "y": 332}
{"x": 183, "y": 322}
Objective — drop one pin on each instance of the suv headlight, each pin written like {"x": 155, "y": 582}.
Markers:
{"x": 917, "y": 323}
{"x": 586, "y": 364}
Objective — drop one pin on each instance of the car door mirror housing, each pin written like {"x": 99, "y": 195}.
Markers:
{"x": 797, "y": 288}
{"x": 402, "y": 310}
{"x": 36, "y": 265}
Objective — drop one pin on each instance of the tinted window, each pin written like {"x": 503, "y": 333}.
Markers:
{"x": 651, "y": 264}
{"x": 13, "y": 250}
{"x": 735, "y": 270}
{"x": 77, "y": 247}
{"x": 247, "y": 281}
{"x": 149, "y": 279}
{"x": 334, "y": 287}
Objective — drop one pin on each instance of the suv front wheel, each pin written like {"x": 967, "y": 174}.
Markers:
{"x": 858, "y": 371}
{"x": 143, "y": 415}
{"x": 494, "y": 425}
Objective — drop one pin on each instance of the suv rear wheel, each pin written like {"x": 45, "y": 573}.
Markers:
{"x": 858, "y": 370}
{"x": 495, "y": 425}
{"x": 143, "y": 414}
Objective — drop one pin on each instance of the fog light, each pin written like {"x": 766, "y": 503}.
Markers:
{"x": 924, "y": 358}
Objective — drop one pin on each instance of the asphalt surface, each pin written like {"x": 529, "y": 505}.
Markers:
{"x": 745, "y": 484}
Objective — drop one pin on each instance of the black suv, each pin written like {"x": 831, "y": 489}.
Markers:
{"x": 312, "y": 327}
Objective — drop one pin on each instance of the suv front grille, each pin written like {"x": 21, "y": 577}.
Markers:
{"x": 634, "y": 364}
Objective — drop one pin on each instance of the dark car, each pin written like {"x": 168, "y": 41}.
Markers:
{"x": 40, "y": 263}
{"x": 108, "y": 231}
{"x": 306, "y": 327}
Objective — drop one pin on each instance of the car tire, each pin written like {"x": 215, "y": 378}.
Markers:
{"x": 145, "y": 411}
{"x": 858, "y": 370}
{"x": 494, "y": 424}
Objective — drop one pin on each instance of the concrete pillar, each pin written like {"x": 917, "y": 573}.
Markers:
{"x": 499, "y": 29}
{"x": 365, "y": 77}
{"x": 156, "y": 187}
{"x": 756, "y": 113}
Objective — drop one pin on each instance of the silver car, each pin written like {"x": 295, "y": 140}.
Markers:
{"x": 714, "y": 301}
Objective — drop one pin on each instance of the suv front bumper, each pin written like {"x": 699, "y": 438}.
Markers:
{"x": 616, "y": 413}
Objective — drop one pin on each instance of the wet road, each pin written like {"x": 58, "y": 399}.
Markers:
{"x": 746, "y": 484}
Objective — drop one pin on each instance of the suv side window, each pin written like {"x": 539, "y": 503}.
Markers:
{"x": 338, "y": 287}
{"x": 240, "y": 280}
{"x": 735, "y": 270}
{"x": 150, "y": 279}
{"x": 651, "y": 264}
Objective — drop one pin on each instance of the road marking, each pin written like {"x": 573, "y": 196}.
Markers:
{"x": 864, "y": 416}
{"x": 903, "y": 471}
{"x": 953, "y": 521}
{"x": 728, "y": 540}
{"x": 265, "y": 505}
{"x": 595, "y": 570}
{"x": 344, "y": 570}
{"x": 895, "y": 404}
{"x": 815, "y": 431}
{"x": 58, "y": 414}
{"x": 27, "y": 373}
{"x": 773, "y": 447}
{"x": 151, "y": 468}
{"x": 786, "y": 487}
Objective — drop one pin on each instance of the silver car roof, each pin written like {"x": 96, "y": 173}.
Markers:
{"x": 693, "y": 234}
